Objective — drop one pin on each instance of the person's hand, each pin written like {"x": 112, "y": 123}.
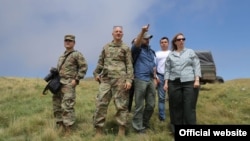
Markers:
{"x": 97, "y": 78}
{"x": 127, "y": 86}
{"x": 196, "y": 84}
{"x": 145, "y": 28}
{"x": 73, "y": 83}
{"x": 156, "y": 82}
{"x": 165, "y": 87}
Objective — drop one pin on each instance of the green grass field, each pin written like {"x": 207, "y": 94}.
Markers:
{"x": 26, "y": 114}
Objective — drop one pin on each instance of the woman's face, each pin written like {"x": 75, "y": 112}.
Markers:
{"x": 179, "y": 41}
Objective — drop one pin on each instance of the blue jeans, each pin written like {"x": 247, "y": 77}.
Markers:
{"x": 161, "y": 97}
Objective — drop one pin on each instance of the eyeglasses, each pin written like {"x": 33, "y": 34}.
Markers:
{"x": 183, "y": 39}
{"x": 68, "y": 41}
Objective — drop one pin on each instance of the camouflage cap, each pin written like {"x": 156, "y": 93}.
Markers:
{"x": 146, "y": 35}
{"x": 69, "y": 37}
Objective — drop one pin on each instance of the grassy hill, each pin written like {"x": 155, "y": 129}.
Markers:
{"x": 26, "y": 114}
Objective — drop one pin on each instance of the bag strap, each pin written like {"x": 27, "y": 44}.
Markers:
{"x": 64, "y": 60}
{"x": 136, "y": 55}
{"x": 47, "y": 86}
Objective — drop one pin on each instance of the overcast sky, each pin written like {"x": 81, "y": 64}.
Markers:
{"x": 32, "y": 31}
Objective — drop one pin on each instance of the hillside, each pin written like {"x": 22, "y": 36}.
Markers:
{"x": 26, "y": 114}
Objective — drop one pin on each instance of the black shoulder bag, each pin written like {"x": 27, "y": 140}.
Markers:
{"x": 53, "y": 79}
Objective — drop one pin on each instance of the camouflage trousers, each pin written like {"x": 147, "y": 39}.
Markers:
{"x": 108, "y": 89}
{"x": 63, "y": 105}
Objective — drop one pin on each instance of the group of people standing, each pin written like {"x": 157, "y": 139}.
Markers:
{"x": 175, "y": 72}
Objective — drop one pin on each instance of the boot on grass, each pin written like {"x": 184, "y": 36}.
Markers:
{"x": 60, "y": 126}
{"x": 67, "y": 130}
{"x": 121, "y": 131}
{"x": 99, "y": 132}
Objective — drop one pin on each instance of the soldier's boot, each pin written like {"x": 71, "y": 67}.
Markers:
{"x": 60, "y": 126}
{"x": 67, "y": 130}
{"x": 99, "y": 132}
{"x": 121, "y": 131}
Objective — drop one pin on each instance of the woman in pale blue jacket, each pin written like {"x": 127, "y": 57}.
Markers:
{"x": 182, "y": 74}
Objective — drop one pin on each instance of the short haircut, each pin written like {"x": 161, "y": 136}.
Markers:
{"x": 117, "y": 26}
{"x": 164, "y": 38}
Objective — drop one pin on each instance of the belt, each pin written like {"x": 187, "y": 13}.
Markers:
{"x": 176, "y": 80}
{"x": 159, "y": 73}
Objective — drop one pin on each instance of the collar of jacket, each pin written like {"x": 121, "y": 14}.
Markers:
{"x": 113, "y": 44}
{"x": 67, "y": 52}
{"x": 145, "y": 46}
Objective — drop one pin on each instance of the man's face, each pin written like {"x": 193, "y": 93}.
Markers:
{"x": 69, "y": 44}
{"x": 164, "y": 44}
{"x": 145, "y": 41}
{"x": 117, "y": 33}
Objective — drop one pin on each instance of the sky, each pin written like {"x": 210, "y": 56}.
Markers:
{"x": 32, "y": 31}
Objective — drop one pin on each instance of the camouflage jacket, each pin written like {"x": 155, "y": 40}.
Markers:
{"x": 74, "y": 67}
{"x": 115, "y": 61}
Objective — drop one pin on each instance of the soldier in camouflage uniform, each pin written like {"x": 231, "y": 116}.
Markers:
{"x": 73, "y": 69}
{"x": 114, "y": 72}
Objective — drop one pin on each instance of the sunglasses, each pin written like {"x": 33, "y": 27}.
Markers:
{"x": 183, "y": 39}
{"x": 68, "y": 41}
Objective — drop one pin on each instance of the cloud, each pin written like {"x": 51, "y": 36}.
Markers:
{"x": 32, "y": 31}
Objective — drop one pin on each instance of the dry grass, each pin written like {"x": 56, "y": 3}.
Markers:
{"x": 26, "y": 114}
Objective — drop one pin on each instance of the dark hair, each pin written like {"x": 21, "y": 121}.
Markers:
{"x": 164, "y": 38}
{"x": 173, "y": 45}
